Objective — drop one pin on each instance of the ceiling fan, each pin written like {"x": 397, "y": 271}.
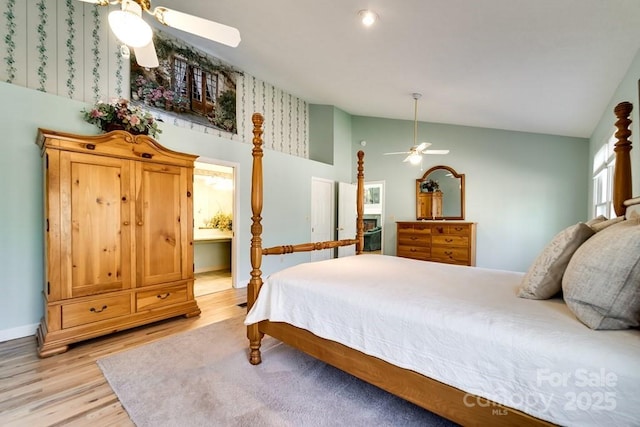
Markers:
{"x": 129, "y": 27}
{"x": 414, "y": 155}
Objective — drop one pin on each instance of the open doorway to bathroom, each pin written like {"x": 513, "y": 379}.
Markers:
{"x": 213, "y": 231}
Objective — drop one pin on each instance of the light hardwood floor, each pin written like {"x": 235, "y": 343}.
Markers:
{"x": 69, "y": 389}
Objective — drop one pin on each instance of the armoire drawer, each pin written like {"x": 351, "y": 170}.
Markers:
{"x": 95, "y": 310}
{"x": 147, "y": 300}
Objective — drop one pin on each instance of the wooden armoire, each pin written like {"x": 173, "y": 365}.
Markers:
{"x": 118, "y": 212}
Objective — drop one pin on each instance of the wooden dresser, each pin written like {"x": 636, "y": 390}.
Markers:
{"x": 453, "y": 242}
{"x": 118, "y": 213}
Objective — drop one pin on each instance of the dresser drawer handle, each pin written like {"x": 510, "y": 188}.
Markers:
{"x": 164, "y": 296}
{"x": 448, "y": 253}
{"x": 414, "y": 238}
{"x": 448, "y": 240}
{"x": 94, "y": 310}
{"x": 459, "y": 228}
{"x": 412, "y": 250}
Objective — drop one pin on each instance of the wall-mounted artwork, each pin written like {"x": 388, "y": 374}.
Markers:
{"x": 373, "y": 198}
{"x": 187, "y": 84}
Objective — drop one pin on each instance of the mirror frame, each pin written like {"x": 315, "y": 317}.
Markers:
{"x": 462, "y": 193}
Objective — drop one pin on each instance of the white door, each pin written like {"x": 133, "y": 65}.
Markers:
{"x": 347, "y": 214}
{"x": 322, "y": 215}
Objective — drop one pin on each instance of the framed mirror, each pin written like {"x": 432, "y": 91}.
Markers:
{"x": 440, "y": 194}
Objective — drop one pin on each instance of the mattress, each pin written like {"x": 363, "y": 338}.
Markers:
{"x": 464, "y": 326}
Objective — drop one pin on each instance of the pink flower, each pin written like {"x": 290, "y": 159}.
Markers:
{"x": 134, "y": 120}
{"x": 96, "y": 113}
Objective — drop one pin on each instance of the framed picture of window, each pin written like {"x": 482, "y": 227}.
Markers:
{"x": 373, "y": 199}
{"x": 188, "y": 85}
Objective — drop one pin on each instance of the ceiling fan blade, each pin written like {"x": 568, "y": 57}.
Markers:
{"x": 436, "y": 151}
{"x": 421, "y": 146}
{"x": 406, "y": 159}
{"x": 397, "y": 152}
{"x": 146, "y": 55}
{"x": 200, "y": 27}
{"x": 100, "y": 2}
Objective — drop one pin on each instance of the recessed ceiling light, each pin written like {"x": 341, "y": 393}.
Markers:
{"x": 368, "y": 17}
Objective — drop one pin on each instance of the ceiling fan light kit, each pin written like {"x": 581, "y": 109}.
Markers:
{"x": 128, "y": 26}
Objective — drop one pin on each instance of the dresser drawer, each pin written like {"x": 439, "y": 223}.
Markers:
{"x": 451, "y": 255}
{"x": 405, "y": 239}
{"x": 450, "y": 240}
{"x": 418, "y": 229}
{"x": 147, "y": 300}
{"x": 456, "y": 229}
{"x": 416, "y": 252}
{"x": 95, "y": 310}
{"x": 459, "y": 229}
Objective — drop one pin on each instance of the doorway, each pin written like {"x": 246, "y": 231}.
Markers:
{"x": 214, "y": 205}
{"x": 374, "y": 217}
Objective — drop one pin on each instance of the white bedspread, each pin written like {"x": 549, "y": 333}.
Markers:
{"x": 465, "y": 327}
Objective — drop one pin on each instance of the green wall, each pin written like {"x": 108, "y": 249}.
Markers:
{"x": 285, "y": 215}
{"x": 521, "y": 188}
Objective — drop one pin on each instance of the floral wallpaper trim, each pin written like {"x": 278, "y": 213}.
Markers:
{"x": 42, "y": 48}
{"x": 71, "y": 48}
{"x": 119, "y": 62}
{"x": 96, "y": 53}
{"x": 9, "y": 42}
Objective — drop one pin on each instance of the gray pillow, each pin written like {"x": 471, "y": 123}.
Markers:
{"x": 601, "y": 284}
{"x": 599, "y": 226}
{"x": 544, "y": 278}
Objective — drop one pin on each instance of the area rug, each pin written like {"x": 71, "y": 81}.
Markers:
{"x": 203, "y": 378}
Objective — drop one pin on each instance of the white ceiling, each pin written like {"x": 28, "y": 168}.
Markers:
{"x": 547, "y": 66}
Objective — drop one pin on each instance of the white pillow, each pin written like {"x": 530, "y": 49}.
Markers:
{"x": 544, "y": 278}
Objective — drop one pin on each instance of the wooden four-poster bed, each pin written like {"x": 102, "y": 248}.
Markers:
{"x": 454, "y": 400}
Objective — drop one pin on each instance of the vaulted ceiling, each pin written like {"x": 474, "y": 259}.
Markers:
{"x": 547, "y": 66}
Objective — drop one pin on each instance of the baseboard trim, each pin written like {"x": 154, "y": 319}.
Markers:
{"x": 212, "y": 268}
{"x": 19, "y": 332}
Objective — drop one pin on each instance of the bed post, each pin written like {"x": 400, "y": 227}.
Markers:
{"x": 360, "y": 204}
{"x": 622, "y": 172}
{"x": 253, "y": 333}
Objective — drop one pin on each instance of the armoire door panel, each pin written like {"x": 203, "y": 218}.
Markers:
{"x": 95, "y": 216}
{"x": 158, "y": 227}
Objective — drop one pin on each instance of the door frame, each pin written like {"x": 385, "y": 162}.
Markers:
{"x": 383, "y": 196}
{"x": 235, "y": 250}
{"x": 332, "y": 222}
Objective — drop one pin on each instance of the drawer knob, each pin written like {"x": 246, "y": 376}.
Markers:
{"x": 94, "y": 310}
{"x": 125, "y": 223}
{"x": 163, "y": 296}
{"x": 140, "y": 223}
